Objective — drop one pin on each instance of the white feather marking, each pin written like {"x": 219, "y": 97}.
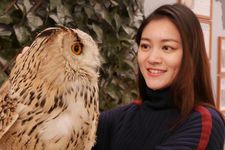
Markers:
{"x": 57, "y": 128}
{"x": 63, "y": 125}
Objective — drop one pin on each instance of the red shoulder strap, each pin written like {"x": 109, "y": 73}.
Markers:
{"x": 206, "y": 127}
{"x": 137, "y": 102}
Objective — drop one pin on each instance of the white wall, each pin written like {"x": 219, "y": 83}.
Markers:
{"x": 151, "y": 5}
{"x": 217, "y": 30}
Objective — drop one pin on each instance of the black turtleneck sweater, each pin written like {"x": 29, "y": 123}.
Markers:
{"x": 147, "y": 126}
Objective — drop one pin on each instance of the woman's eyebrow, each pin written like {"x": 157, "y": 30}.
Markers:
{"x": 170, "y": 39}
{"x": 164, "y": 40}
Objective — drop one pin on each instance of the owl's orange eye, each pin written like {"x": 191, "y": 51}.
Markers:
{"x": 76, "y": 48}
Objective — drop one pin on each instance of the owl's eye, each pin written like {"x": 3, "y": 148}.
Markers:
{"x": 76, "y": 48}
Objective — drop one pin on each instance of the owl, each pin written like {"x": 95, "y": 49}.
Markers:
{"x": 50, "y": 100}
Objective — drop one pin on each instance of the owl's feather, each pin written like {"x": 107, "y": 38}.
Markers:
{"x": 7, "y": 111}
{"x": 52, "y": 94}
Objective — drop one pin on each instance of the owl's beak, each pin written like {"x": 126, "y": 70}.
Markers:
{"x": 76, "y": 62}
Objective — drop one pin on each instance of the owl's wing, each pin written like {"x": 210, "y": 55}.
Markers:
{"x": 8, "y": 116}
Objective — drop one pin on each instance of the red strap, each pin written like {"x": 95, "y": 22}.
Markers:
{"x": 206, "y": 127}
{"x": 137, "y": 102}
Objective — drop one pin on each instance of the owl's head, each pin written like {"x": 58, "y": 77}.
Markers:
{"x": 59, "y": 54}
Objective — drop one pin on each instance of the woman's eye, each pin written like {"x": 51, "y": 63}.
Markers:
{"x": 167, "y": 48}
{"x": 145, "y": 46}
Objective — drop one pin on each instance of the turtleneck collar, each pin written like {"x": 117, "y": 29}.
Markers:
{"x": 157, "y": 99}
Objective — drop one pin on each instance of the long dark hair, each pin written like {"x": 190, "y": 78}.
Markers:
{"x": 192, "y": 85}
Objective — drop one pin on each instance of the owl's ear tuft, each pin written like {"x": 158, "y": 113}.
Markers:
{"x": 47, "y": 32}
{"x": 52, "y": 30}
{"x": 62, "y": 27}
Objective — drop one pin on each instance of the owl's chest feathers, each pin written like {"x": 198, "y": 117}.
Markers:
{"x": 61, "y": 115}
{"x": 67, "y": 123}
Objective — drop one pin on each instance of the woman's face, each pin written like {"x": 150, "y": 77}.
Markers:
{"x": 160, "y": 53}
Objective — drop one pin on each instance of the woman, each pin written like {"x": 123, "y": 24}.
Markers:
{"x": 176, "y": 108}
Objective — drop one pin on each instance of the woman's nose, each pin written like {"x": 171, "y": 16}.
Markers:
{"x": 154, "y": 56}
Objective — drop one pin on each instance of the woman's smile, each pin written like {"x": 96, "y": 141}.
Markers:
{"x": 154, "y": 72}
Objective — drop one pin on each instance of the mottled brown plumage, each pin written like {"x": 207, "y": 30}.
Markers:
{"x": 51, "y": 98}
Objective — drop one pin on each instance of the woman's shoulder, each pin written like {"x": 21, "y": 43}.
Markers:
{"x": 203, "y": 129}
{"x": 207, "y": 118}
{"x": 207, "y": 115}
{"x": 211, "y": 125}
